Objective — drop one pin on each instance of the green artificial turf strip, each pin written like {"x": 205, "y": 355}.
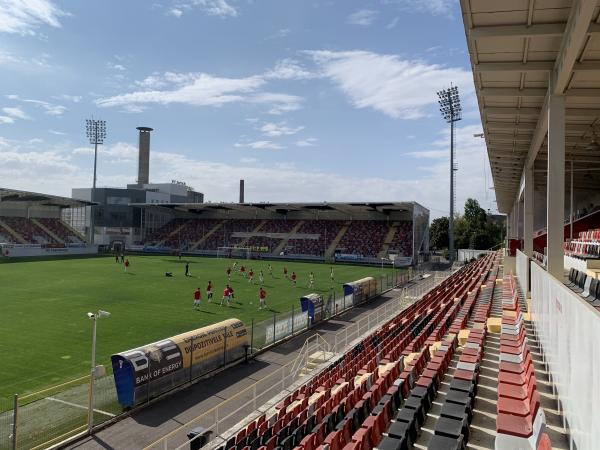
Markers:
{"x": 45, "y": 336}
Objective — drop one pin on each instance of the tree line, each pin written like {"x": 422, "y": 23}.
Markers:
{"x": 474, "y": 229}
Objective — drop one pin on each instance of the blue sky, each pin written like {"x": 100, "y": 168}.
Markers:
{"x": 305, "y": 100}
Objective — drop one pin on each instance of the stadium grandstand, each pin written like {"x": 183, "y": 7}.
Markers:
{"x": 502, "y": 353}
{"x": 33, "y": 224}
{"x": 497, "y": 353}
{"x": 359, "y": 232}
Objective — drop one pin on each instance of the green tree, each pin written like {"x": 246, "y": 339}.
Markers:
{"x": 461, "y": 232}
{"x": 472, "y": 230}
{"x": 438, "y": 233}
{"x": 475, "y": 215}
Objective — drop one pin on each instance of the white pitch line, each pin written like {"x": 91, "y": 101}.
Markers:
{"x": 79, "y": 406}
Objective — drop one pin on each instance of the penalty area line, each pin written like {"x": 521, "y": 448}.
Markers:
{"x": 79, "y": 406}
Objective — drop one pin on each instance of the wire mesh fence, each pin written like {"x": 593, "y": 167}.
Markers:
{"x": 38, "y": 420}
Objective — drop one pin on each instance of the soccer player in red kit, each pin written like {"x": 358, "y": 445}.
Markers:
{"x": 251, "y": 276}
{"x": 243, "y": 271}
{"x": 294, "y": 278}
{"x": 209, "y": 291}
{"x": 285, "y": 272}
{"x": 262, "y": 296}
{"x": 126, "y": 264}
{"x": 226, "y": 296}
{"x": 228, "y": 273}
{"x": 197, "y": 297}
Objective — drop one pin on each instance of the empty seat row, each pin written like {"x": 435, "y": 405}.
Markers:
{"x": 520, "y": 420}
{"x": 370, "y": 373}
{"x": 585, "y": 285}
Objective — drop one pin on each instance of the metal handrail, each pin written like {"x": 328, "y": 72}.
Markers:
{"x": 306, "y": 351}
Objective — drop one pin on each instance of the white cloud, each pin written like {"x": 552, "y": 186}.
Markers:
{"x": 308, "y": 142}
{"x": 289, "y": 69}
{"x": 24, "y": 16}
{"x": 56, "y": 172}
{"x": 435, "y": 7}
{"x": 281, "y": 33}
{"x": 260, "y": 145}
{"x": 16, "y": 113}
{"x": 393, "y": 23}
{"x": 153, "y": 81}
{"x": 119, "y": 150}
{"x": 6, "y": 119}
{"x": 204, "y": 90}
{"x": 200, "y": 89}
{"x": 471, "y": 159}
{"x": 51, "y": 109}
{"x": 133, "y": 109}
{"x": 22, "y": 63}
{"x": 362, "y": 17}
{"x": 69, "y": 98}
{"x": 279, "y": 129}
{"x": 57, "y": 133}
{"x": 397, "y": 87}
{"x": 113, "y": 66}
{"x": 211, "y": 7}
{"x": 281, "y": 103}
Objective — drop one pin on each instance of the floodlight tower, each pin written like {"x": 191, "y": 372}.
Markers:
{"x": 95, "y": 130}
{"x": 451, "y": 110}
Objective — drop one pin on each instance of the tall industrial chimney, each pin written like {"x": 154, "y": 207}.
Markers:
{"x": 241, "y": 191}
{"x": 144, "y": 155}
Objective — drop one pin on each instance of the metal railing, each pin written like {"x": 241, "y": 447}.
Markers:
{"x": 344, "y": 338}
{"x": 233, "y": 410}
{"x": 52, "y": 415}
{"x": 312, "y": 345}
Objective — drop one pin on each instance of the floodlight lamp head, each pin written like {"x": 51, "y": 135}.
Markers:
{"x": 91, "y": 315}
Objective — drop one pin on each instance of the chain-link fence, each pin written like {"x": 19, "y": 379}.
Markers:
{"x": 39, "y": 420}
{"x": 221, "y": 418}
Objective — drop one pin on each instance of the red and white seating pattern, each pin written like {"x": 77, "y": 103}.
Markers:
{"x": 363, "y": 237}
{"x": 32, "y": 233}
{"x": 586, "y": 246}
{"x": 520, "y": 422}
{"x": 350, "y": 405}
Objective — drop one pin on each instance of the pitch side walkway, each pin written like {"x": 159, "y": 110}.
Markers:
{"x": 146, "y": 426}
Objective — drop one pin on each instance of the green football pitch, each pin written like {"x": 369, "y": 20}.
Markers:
{"x": 45, "y": 335}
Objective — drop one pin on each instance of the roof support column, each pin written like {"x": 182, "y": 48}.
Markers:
{"x": 528, "y": 213}
{"x": 555, "y": 197}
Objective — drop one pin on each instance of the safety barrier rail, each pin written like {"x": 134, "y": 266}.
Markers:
{"x": 231, "y": 411}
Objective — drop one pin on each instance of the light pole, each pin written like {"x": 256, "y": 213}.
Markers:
{"x": 94, "y": 318}
{"x": 451, "y": 110}
{"x": 95, "y": 130}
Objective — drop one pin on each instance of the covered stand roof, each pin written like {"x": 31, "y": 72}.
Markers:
{"x": 16, "y": 196}
{"x": 515, "y": 46}
{"x": 284, "y": 208}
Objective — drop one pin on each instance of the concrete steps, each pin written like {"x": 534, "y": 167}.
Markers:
{"x": 331, "y": 249}
{"x": 389, "y": 238}
{"x": 76, "y": 233}
{"x": 13, "y": 233}
{"x": 47, "y": 231}
{"x": 284, "y": 242}
{"x": 256, "y": 229}
{"x": 171, "y": 234}
{"x": 207, "y": 235}
{"x": 316, "y": 359}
